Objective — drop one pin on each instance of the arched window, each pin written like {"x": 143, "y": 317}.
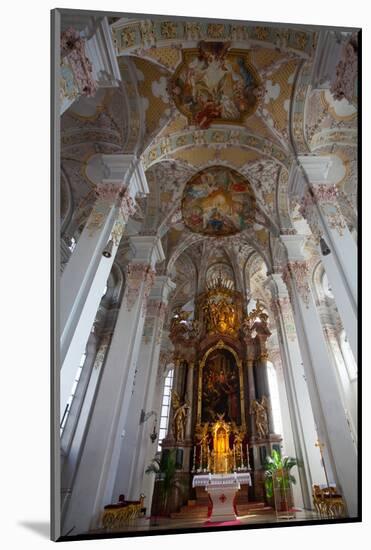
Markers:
{"x": 275, "y": 400}
{"x": 348, "y": 356}
{"x": 326, "y": 286}
{"x": 72, "y": 244}
{"x": 165, "y": 407}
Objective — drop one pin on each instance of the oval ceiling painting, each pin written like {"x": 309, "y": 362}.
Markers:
{"x": 218, "y": 201}
{"x": 214, "y": 84}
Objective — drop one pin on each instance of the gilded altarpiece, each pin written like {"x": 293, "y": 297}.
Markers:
{"x": 228, "y": 412}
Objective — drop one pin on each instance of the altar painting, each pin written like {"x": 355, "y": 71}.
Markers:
{"x": 213, "y": 84}
{"x": 219, "y": 202}
{"x": 220, "y": 388}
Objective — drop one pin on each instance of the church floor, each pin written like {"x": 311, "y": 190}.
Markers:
{"x": 159, "y": 524}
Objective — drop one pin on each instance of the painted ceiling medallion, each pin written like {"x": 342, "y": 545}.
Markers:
{"x": 218, "y": 201}
{"x": 215, "y": 85}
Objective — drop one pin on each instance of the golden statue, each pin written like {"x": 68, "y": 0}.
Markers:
{"x": 202, "y": 431}
{"x": 221, "y": 454}
{"x": 180, "y": 412}
{"x": 260, "y": 410}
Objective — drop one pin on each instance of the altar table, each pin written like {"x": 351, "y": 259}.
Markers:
{"x": 222, "y": 489}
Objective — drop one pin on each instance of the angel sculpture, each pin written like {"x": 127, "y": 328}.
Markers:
{"x": 179, "y": 325}
{"x": 238, "y": 438}
{"x": 202, "y": 433}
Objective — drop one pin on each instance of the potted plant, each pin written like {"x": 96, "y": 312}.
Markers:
{"x": 278, "y": 475}
{"x": 165, "y": 469}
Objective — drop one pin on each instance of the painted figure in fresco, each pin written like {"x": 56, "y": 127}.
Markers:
{"x": 215, "y": 221}
{"x": 218, "y": 202}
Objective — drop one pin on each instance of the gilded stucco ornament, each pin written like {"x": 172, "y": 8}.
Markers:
{"x": 74, "y": 55}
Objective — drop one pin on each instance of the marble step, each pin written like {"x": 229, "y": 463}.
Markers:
{"x": 200, "y": 511}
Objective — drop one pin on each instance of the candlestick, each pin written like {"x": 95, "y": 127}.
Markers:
{"x": 194, "y": 459}
{"x": 201, "y": 458}
{"x": 241, "y": 455}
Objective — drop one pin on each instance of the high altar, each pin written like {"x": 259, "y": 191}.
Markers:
{"x": 221, "y": 422}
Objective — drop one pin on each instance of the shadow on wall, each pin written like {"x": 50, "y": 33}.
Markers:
{"x": 42, "y": 528}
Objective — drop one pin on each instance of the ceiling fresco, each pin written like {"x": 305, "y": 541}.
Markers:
{"x": 218, "y": 202}
{"x": 217, "y": 114}
{"x": 214, "y": 84}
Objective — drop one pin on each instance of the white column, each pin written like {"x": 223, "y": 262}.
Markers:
{"x": 348, "y": 394}
{"x": 148, "y": 480}
{"x": 320, "y": 209}
{"x": 119, "y": 179}
{"x": 93, "y": 485}
{"x": 72, "y": 456}
{"x": 326, "y": 57}
{"x": 332, "y": 426}
{"x": 288, "y": 445}
{"x": 298, "y": 399}
{"x": 137, "y": 430}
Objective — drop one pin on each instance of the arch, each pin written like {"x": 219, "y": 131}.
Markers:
{"x": 67, "y": 196}
{"x": 217, "y": 135}
{"x": 297, "y": 116}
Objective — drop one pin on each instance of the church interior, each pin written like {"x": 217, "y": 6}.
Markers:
{"x": 208, "y": 273}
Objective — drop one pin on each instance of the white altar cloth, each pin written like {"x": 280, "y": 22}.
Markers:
{"x": 203, "y": 480}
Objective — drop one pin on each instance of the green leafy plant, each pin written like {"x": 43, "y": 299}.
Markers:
{"x": 280, "y": 467}
{"x": 165, "y": 469}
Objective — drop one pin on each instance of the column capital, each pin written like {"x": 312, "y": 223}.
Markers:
{"x": 322, "y": 169}
{"x": 294, "y": 245}
{"x": 124, "y": 169}
{"x": 162, "y": 287}
{"x": 148, "y": 248}
{"x": 277, "y": 285}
